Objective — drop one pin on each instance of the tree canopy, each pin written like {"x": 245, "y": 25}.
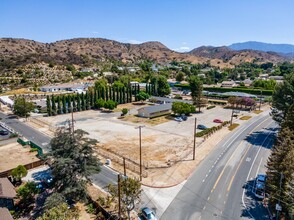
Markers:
{"x": 142, "y": 96}
{"x": 283, "y": 98}
{"x": 182, "y": 108}
{"x": 22, "y": 107}
{"x": 60, "y": 212}
{"x": 72, "y": 161}
{"x": 130, "y": 193}
{"x": 19, "y": 172}
{"x": 196, "y": 87}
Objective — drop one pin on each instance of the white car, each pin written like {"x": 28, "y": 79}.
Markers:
{"x": 148, "y": 214}
{"x": 179, "y": 119}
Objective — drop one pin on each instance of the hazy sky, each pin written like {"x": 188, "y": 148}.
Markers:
{"x": 179, "y": 24}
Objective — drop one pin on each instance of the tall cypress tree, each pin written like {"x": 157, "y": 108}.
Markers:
{"x": 124, "y": 94}
{"x": 83, "y": 103}
{"x": 130, "y": 94}
{"x": 110, "y": 93}
{"x": 59, "y": 111}
{"x": 120, "y": 96}
{"x": 127, "y": 93}
{"x": 103, "y": 93}
{"x": 53, "y": 105}
{"x": 78, "y": 102}
{"x": 69, "y": 103}
{"x": 113, "y": 93}
{"x": 49, "y": 107}
{"x": 91, "y": 99}
{"x": 64, "y": 105}
{"x": 106, "y": 93}
{"x": 74, "y": 104}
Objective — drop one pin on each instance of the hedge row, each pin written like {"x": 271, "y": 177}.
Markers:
{"x": 234, "y": 89}
{"x": 209, "y": 131}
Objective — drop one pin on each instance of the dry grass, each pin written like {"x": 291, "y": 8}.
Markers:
{"x": 245, "y": 117}
{"x": 151, "y": 121}
{"x": 233, "y": 126}
{"x": 257, "y": 111}
{"x": 21, "y": 91}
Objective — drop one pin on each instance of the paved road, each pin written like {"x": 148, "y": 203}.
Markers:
{"x": 28, "y": 132}
{"x": 215, "y": 190}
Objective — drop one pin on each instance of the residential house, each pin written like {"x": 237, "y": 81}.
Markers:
{"x": 64, "y": 87}
{"x": 7, "y": 193}
{"x": 5, "y": 214}
{"x": 228, "y": 84}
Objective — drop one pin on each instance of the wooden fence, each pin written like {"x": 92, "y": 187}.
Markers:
{"x": 27, "y": 166}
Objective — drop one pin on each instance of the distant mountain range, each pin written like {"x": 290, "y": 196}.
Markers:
{"x": 284, "y": 49}
{"x": 84, "y": 51}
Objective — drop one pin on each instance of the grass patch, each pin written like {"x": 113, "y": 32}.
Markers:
{"x": 233, "y": 126}
{"x": 245, "y": 118}
{"x": 257, "y": 111}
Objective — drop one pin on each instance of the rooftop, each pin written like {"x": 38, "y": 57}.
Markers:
{"x": 6, "y": 189}
{"x": 5, "y": 214}
{"x": 157, "y": 108}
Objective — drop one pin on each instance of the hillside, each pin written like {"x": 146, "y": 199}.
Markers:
{"x": 235, "y": 57}
{"x": 84, "y": 51}
{"x": 266, "y": 47}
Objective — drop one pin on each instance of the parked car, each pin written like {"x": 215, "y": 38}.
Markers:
{"x": 201, "y": 127}
{"x": 148, "y": 214}
{"x": 259, "y": 188}
{"x": 179, "y": 119}
{"x": 4, "y": 132}
{"x": 217, "y": 121}
{"x": 184, "y": 117}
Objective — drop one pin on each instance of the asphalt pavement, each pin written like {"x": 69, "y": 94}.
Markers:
{"x": 27, "y": 132}
{"x": 220, "y": 187}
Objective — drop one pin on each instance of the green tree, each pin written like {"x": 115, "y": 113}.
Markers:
{"x": 78, "y": 102}
{"x": 118, "y": 84}
{"x": 283, "y": 98}
{"x": 142, "y": 96}
{"x": 182, "y": 108}
{"x": 83, "y": 102}
{"x": 180, "y": 76}
{"x": 196, "y": 88}
{"x": 49, "y": 107}
{"x": 100, "y": 103}
{"x": 64, "y": 105}
{"x": 60, "y": 212}
{"x": 163, "y": 87}
{"x": 280, "y": 166}
{"x": 130, "y": 193}
{"x": 101, "y": 83}
{"x": 53, "y": 103}
{"x": 22, "y": 107}
{"x": 54, "y": 200}
{"x": 27, "y": 192}
{"x": 110, "y": 104}
{"x": 72, "y": 161}
{"x": 59, "y": 111}
{"x": 19, "y": 172}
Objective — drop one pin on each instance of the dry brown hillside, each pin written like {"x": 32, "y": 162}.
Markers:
{"x": 234, "y": 57}
{"x": 82, "y": 51}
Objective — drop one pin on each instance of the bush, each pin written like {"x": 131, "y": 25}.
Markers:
{"x": 12, "y": 135}
{"x": 210, "y": 107}
{"x": 211, "y": 130}
{"x": 124, "y": 111}
{"x": 33, "y": 149}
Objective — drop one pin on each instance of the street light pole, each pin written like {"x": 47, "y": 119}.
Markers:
{"x": 140, "y": 145}
{"x": 260, "y": 99}
{"x": 194, "y": 134}
{"x": 232, "y": 116}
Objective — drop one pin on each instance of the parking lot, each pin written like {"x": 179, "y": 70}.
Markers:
{"x": 170, "y": 140}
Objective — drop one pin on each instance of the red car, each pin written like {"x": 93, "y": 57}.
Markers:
{"x": 217, "y": 121}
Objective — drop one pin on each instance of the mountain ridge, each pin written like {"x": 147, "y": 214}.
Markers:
{"x": 81, "y": 51}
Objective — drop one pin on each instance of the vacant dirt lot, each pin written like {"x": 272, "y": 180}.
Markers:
{"x": 165, "y": 141}
{"x": 14, "y": 154}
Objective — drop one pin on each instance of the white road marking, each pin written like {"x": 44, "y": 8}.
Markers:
{"x": 248, "y": 159}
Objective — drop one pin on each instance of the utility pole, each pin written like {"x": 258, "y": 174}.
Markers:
{"x": 278, "y": 206}
{"x": 194, "y": 134}
{"x": 140, "y": 145}
{"x": 119, "y": 199}
{"x": 260, "y": 99}
{"x": 232, "y": 116}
